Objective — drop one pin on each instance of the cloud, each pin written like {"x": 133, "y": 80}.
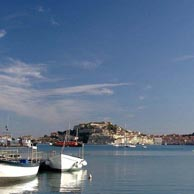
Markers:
{"x": 14, "y": 16}
{"x": 2, "y": 33}
{"x": 141, "y": 97}
{"x": 90, "y": 64}
{"x": 54, "y": 22}
{"x": 20, "y": 69}
{"x": 131, "y": 116}
{"x": 87, "y": 64}
{"x": 141, "y": 107}
{"x": 17, "y": 94}
{"x": 184, "y": 58}
{"x": 19, "y": 73}
{"x": 50, "y": 105}
{"x": 40, "y": 9}
{"x": 92, "y": 89}
{"x": 148, "y": 87}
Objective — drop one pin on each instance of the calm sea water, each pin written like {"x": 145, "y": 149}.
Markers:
{"x": 154, "y": 170}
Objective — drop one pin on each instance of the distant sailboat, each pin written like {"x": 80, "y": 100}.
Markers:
{"x": 131, "y": 145}
{"x": 73, "y": 142}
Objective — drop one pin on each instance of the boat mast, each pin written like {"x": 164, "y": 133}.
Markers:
{"x": 65, "y": 138}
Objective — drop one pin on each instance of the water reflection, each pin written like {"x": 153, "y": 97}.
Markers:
{"x": 48, "y": 182}
{"x": 19, "y": 186}
{"x": 66, "y": 181}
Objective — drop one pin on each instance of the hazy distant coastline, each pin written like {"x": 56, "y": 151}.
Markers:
{"x": 108, "y": 133}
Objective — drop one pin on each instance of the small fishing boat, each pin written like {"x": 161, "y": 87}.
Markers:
{"x": 69, "y": 141}
{"x": 118, "y": 145}
{"x": 17, "y": 169}
{"x": 64, "y": 162}
{"x": 67, "y": 144}
{"x": 131, "y": 145}
{"x": 14, "y": 167}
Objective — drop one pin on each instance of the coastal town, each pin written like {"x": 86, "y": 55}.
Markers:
{"x": 99, "y": 133}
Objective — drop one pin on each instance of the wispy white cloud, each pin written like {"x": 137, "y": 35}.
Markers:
{"x": 141, "y": 97}
{"x": 14, "y": 16}
{"x": 131, "y": 116}
{"x": 2, "y": 33}
{"x": 184, "y": 58}
{"x": 5, "y": 79}
{"x": 20, "y": 69}
{"x": 92, "y": 89}
{"x": 141, "y": 107}
{"x": 88, "y": 64}
{"x": 50, "y": 18}
{"x": 19, "y": 73}
{"x": 54, "y": 22}
{"x": 148, "y": 87}
{"x": 19, "y": 95}
{"x": 40, "y": 9}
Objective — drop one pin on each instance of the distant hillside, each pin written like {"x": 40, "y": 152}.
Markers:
{"x": 97, "y": 132}
{"x": 108, "y": 133}
{"x": 100, "y": 133}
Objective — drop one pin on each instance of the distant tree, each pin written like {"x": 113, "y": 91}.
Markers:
{"x": 61, "y": 132}
{"x": 84, "y": 137}
{"x": 112, "y": 127}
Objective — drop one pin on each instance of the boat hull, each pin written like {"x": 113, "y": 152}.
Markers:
{"x": 68, "y": 144}
{"x": 16, "y": 170}
{"x": 65, "y": 162}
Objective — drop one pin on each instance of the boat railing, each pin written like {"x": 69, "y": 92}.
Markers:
{"x": 20, "y": 154}
{"x": 9, "y": 155}
{"x": 79, "y": 154}
{"x": 38, "y": 156}
{"x": 51, "y": 153}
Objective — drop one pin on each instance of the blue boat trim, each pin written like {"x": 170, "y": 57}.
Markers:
{"x": 19, "y": 163}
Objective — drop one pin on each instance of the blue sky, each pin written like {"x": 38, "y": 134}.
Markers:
{"x": 67, "y": 62}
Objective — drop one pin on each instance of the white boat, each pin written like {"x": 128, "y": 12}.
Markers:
{"x": 120, "y": 144}
{"x": 125, "y": 145}
{"x": 117, "y": 145}
{"x": 64, "y": 162}
{"x": 131, "y": 145}
{"x": 21, "y": 169}
{"x": 14, "y": 166}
